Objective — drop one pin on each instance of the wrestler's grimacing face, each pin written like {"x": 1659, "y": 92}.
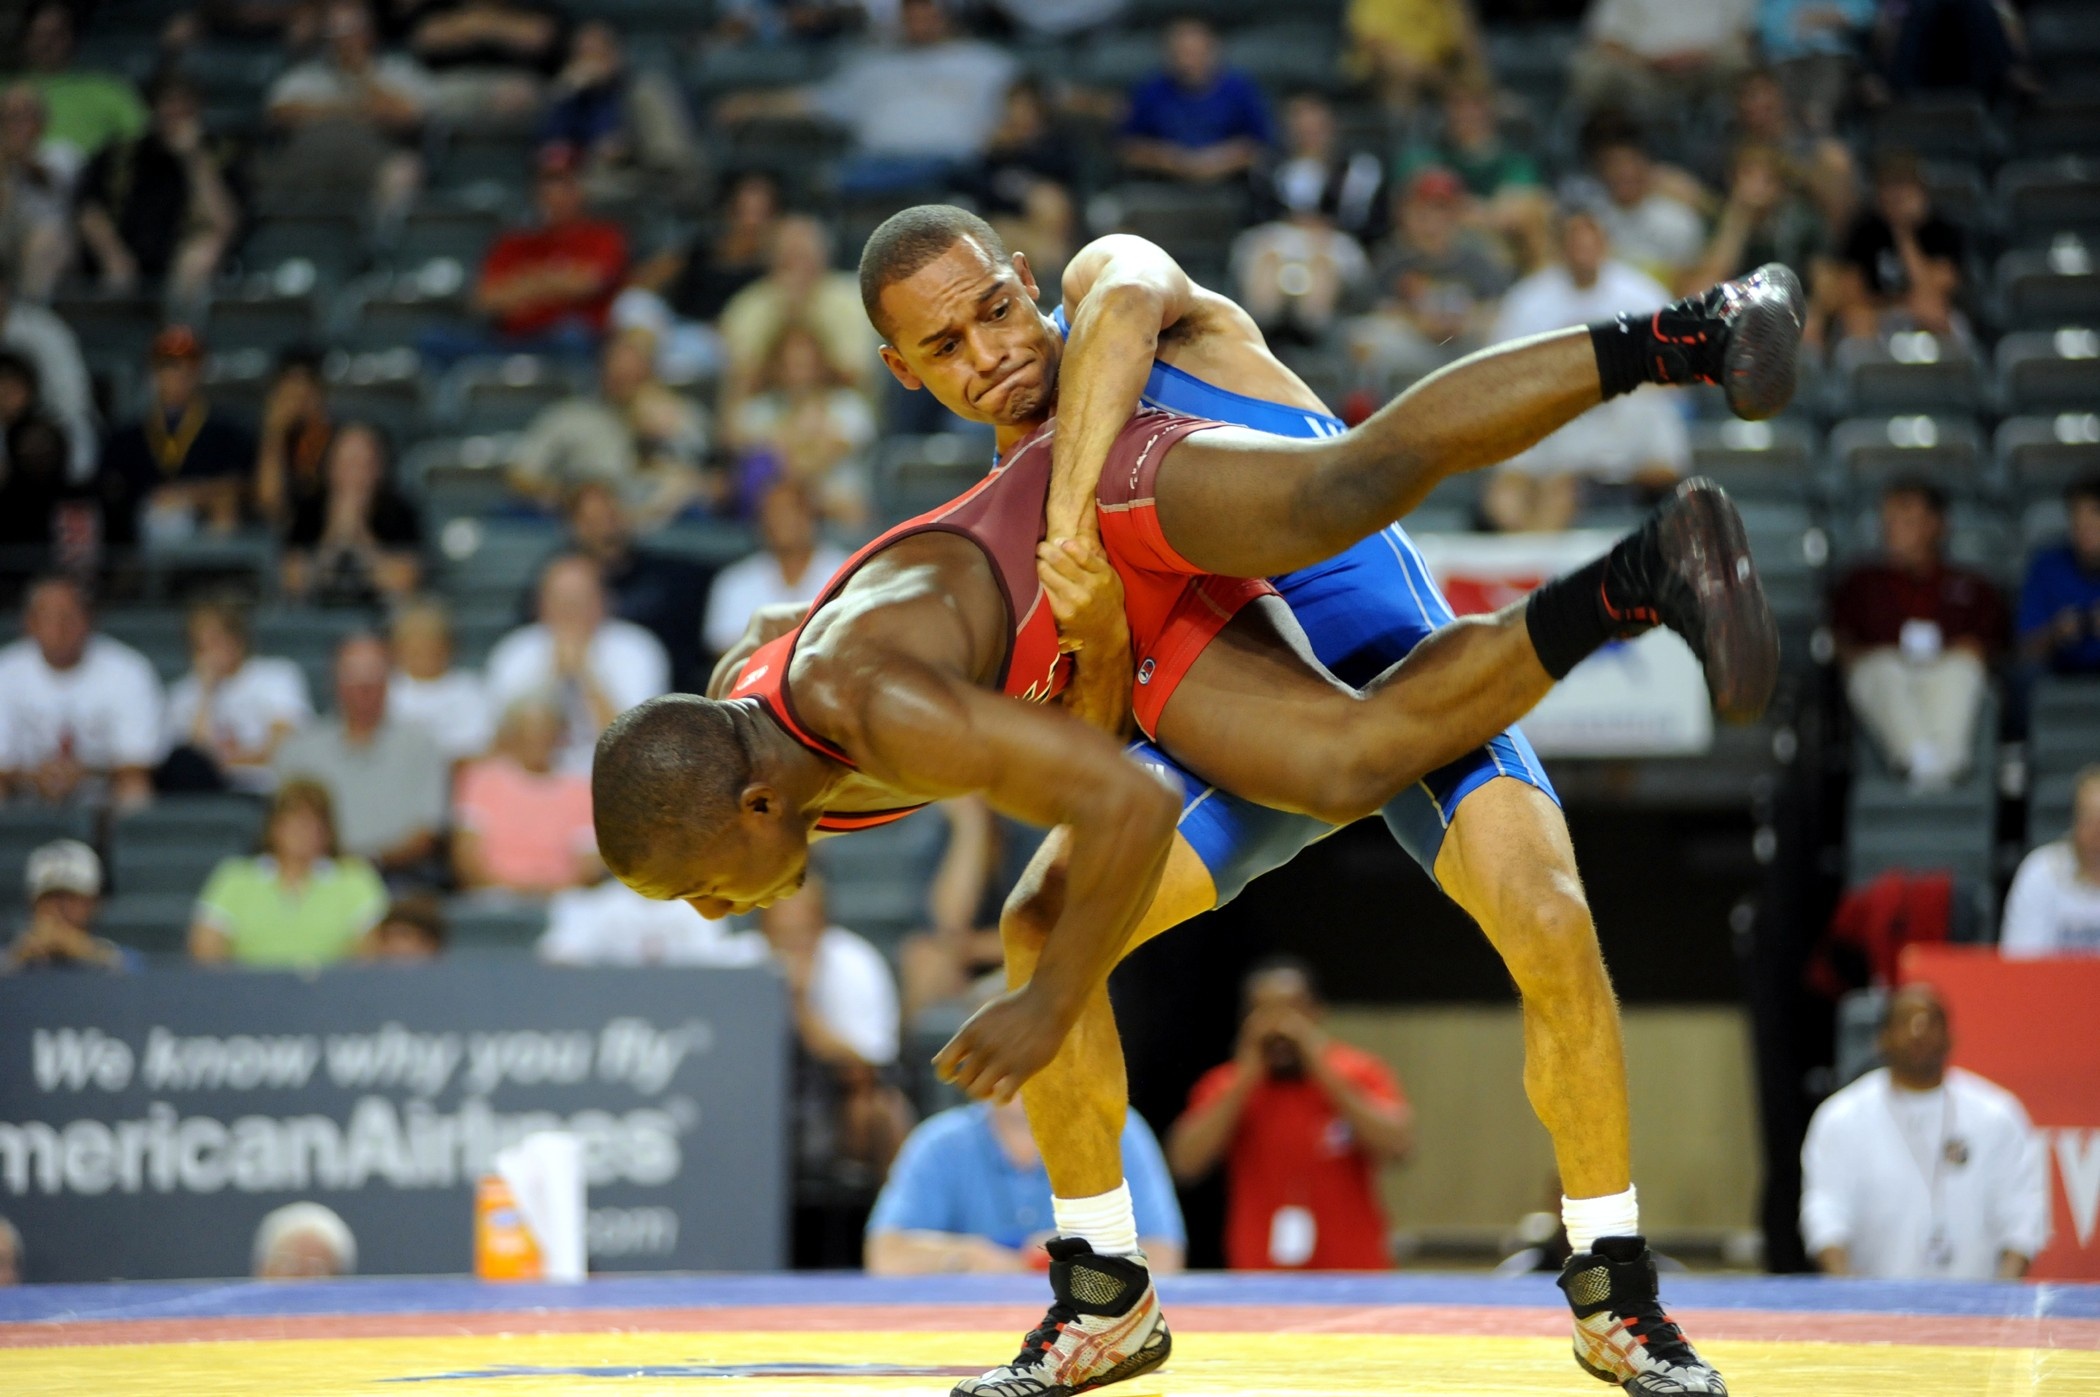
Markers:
{"x": 750, "y": 862}
{"x": 965, "y": 327}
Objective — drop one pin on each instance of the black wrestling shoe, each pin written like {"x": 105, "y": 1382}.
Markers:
{"x": 1104, "y": 1327}
{"x": 1744, "y": 335}
{"x": 1689, "y": 568}
{"x": 1622, "y": 1334}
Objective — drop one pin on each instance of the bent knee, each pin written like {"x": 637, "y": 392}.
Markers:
{"x": 1549, "y": 941}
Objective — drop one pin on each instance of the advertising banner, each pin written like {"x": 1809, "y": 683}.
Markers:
{"x": 149, "y": 1122}
{"x": 2028, "y": 1025}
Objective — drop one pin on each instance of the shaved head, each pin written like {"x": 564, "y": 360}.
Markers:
{"x": 908, "y": 241}
{"x": 668, "y": 771}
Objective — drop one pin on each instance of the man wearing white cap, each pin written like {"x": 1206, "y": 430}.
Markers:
{"x": 304, "y": 1241}
{"x": 65, "y": 891}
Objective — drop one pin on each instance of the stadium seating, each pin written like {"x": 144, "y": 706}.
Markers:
{"x": 1889, "y": 825}
{"x": 1910, "y": 372}
{"x": 1870, "y": 452}
{"x": 2050, "y": 370}
{"x": 2038, "y": 456}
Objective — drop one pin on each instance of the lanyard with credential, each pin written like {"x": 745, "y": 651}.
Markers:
{"x": 1939, "y": 1249}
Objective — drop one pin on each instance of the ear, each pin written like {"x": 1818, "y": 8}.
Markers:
{"x": 760, "y": 800}
{"x": 900, "y": 370}
{"x": 1027, "y": 275}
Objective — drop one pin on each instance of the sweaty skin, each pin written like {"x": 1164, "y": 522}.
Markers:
{"x": 1506, "y": 858}
{"x": 900, "y": 671}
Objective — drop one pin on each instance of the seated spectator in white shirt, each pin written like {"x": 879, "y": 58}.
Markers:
{"x": 1647, "y": 211}
{"x": 1918, "y": 1170}
{"x": 2054, "y": 906}
{"x": 79, "y": 712}
{"x": 1629, "y": 448}
{"x": 1659, "y": 58}
{"x": 385, "y": 780}
{"x": 847, "y": 1027}
{"x": 597, "y": 666}
{"x": 916, "y": 109}
{"x": 793, "y": 568}
{"x": 228, "y": 715}
{"x": 518, "y": 824}
{"x": 447, "y": 702}
{"x": 611, "y": 924}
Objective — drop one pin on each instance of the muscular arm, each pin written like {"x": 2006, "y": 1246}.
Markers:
{"x": 926, "y": 730}
{"x": 1119, "y": 293}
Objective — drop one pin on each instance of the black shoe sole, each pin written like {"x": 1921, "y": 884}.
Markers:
{"x": 1701, "y": 539}
{"x": 1764, "y": 348}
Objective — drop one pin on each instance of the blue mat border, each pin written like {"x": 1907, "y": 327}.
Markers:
{"x": 444, "y": 1294}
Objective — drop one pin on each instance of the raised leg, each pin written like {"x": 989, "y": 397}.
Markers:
{"x": 1347, "y": 751}
{"x": 1507, "y": 860}
{"x": 1248, "y": 505}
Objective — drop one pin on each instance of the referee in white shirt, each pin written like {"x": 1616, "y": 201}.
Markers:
{"x": 1916, "y": 1170}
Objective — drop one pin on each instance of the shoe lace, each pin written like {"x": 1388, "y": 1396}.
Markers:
{"x": 1040, "y": 1340}
{"x": 1648, "y": 1322}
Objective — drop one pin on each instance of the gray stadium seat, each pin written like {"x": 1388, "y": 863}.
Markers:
{"x": 158, "y": 633}
{"x": 172, "y": 821}
{"x": 1118, "y": 60}
{"x": 333, "y": 241}
{"x": 1773, "y": 460}
{"x": 493, "y": 562}
{"x": 1890, "y": 826}
{"x": 2063, "y": 732}
{"x": 268, "y": 312}
{"x": 1859, "y": 1016}
{"x": 2049, "y": 801}
{"x": 473, "y": 923}
{"x": 2041, "y": 290}
{"x": 2060, "y": 124}
{"x": 457, "y": 229}
{"x": 2041, "y": 198}
{"x": 1942, "y": 125}
{"x": 156, "y": 923}
{"x": 116, "y": 327}
{"x": 501, "y": 395}
{"x": 2039, "y": 456}
{"x": 1911, "y": 371}
{"x": 1869, "y": 452}
{"x": 2050, "y": 370}
{"x": 385, "y": 389}
{"x": 180, "y": 869}
{"x": 1287, "y": 56}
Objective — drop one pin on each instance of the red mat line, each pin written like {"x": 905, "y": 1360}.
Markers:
{"x": 1966, "y": 1331}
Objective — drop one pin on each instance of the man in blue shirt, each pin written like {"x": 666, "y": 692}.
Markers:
{"x": 969, "y": 1193}
{"x": 1197, "y": 121}
{"x": 2060, "y": 601}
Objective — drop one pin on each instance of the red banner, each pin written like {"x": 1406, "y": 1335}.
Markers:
{"x": 2033, "y": 1027}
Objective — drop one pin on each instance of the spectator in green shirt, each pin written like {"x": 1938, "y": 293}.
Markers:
{"x": 87, "y": 110}
{"x": 296, "y": 903}
{"x": 1505, "y": 194}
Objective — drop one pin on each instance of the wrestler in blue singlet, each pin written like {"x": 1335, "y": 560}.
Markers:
{"x": 1363, "y": 610}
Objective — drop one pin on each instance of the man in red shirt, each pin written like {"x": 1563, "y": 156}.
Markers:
{"x": 1303, "y": 1124}
{"x": 555, "y": 281}
{"x": 1916, "y": 636}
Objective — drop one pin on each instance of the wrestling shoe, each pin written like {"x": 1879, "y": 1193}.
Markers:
{"x": 1744, "y": 335}
{"x": 1104, "y": 1326}
{"x": 1689, "y": 568}
{"x": 1622, "y": 1334}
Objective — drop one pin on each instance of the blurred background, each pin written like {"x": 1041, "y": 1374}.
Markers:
{"x": 391, "y": 393}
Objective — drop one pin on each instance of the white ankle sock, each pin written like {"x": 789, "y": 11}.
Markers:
{"x": 1106, "y": 1222}
{"x": 1587, "y": 1219}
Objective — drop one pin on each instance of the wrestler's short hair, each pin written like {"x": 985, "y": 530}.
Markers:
{"x": 669, "y": 769}
{"x": 911, "y": 238}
